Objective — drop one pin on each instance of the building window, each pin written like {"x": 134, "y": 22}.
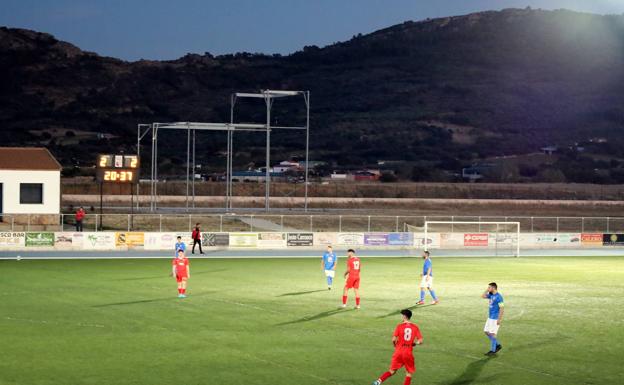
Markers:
{"x": 31, "y": 193}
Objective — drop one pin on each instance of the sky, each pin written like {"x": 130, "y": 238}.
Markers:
{"x": 169, "y": 29}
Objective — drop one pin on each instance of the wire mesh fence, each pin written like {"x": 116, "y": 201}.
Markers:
{"x": 286, "y": 223}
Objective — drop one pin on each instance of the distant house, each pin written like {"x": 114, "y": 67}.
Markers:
{"x": 30, "y": 181}
{"x": 477, "y": 171}
{"x": 286, "y": 166}
{"x": 549, "y": 150}
{"x": 256, "y": 176}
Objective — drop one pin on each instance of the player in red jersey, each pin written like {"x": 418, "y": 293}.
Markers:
{"x": 353, "y": 278}
{"x": 405, "y": 337}
{"x": 181, "y": 270}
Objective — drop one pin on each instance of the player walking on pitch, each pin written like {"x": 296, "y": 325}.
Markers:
{"x": 353, "y": 278}
{"x": 405, "y": 337}
{"x": 495, "y": 317}
{"x": 181, "y": 270}
{"x": 179, "y": 246}
{"x": 328, "y": 264}
{"x": 426, "y": 280}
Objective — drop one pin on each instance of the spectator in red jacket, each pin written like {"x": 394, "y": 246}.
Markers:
{"x": 197, "y": 239}
{"x": 80, "y": 214}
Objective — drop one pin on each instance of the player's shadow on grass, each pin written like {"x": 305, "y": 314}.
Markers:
{"x": 471, "y": 373}
{"x": 300, "y": 293}
{"x": 172, "y": 298}
{"x": 314, "y": 317}
{"x": 399, "y": 311}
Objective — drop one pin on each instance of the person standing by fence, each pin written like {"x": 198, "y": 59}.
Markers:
{"x": 197, "y": 239}
{"x": 80, "y": 214}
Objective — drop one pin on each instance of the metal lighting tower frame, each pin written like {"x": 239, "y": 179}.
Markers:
{"x": 190, "y": 128}
{"x": 268, "y": 96}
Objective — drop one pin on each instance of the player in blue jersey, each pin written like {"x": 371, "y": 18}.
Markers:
{"x": 495, "y": 317}
{"x": 426, "y": 280}
{"x": 179, "y": 246}
{"x": 328, "y": 264}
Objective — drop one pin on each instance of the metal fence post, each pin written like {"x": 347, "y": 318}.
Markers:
{"x": 97, "y": 219}
{"x": 532, "y": 224}
{"x": 221, "y": 223}
{"x": 340, "y": 223}
{"x": 582, "y": 224}
{"x": 128, "y": 222}
{"x": 608, "y": 224}
{"x": 396, "y": 227}
{"x": 557, "y": 225}
{"x": 28, "y": 223}
{"x": 190, "y": 228}
{"x": 251, "y": 223}
{"x": 160, "y": 223}
{"x": 311, "y": 223}
{"x": 369, "y": 223}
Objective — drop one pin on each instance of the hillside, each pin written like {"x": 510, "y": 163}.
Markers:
{"x": 440, "y": 94}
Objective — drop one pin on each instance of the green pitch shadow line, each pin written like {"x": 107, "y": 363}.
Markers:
{"x": 399, "y": 311}
{"x": 172, "y": 298}
{"x": 324, "y": 314}
{"x": 300, "y": 293}
{"x": 470, "y": 373}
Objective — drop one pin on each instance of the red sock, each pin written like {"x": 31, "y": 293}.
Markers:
{"x": 357, "y": 301}
{"x": 344, "y": 299}
{"x": 385, "y": 376}
{"x": 179, "y": 291}
{"x": 183, "y": 291}
{"x": 408, "y": 381}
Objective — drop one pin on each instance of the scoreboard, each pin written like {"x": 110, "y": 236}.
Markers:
{"x": 117, "y": 168}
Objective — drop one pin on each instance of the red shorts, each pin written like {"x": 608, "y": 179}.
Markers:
{"x": 180, "y": 278}
{"x": 403, "y": 358}
{"x": 353, "y": 283}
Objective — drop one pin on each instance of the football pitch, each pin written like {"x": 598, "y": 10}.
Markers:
{"x": 273, "y": 322}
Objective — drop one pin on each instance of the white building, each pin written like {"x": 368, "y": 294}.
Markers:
{"x": 30, "y": 181}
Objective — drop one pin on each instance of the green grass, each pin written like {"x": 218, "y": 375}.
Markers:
{"x": 272, "y": 322}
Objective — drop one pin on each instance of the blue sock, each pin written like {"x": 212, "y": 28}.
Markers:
{"x": 422, "y": 295}
{"x": 433, "y": 295}
{"x": 494, "y": 342}
{"x": 329, "y": 281}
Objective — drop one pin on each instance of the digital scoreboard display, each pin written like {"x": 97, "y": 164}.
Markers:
{"x": 117, "y": 168}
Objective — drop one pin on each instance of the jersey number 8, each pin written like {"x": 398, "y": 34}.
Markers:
{"x": 356, "y": 265}
{"x": 407, "y": 334}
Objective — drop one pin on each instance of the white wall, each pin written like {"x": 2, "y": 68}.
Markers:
{"x": 11, "y": 180}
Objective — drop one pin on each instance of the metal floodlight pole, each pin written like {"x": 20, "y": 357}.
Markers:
{"x": 306, "y": 97}
{"x": 267, "y": 177}
{"x": 194, "y": 169}
{"x": 188, "y": 163}
{"x": 140, "y": 136}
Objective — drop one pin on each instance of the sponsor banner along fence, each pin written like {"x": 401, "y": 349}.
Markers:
{"x": 300, "y": 239}
{"x": 277, "y": 240}
{"x": 12, "y": 239}
{"x": 131, "y": 239}
{"x": 248, "y": 240}
{"x": 613, "y": 239}
{"x": 39, "y": 239}
{"x": 272, "y": 240}
{"x": 98, "y": 241}
{"x": 592, "y": 239}
{"x": 216, "y": 239}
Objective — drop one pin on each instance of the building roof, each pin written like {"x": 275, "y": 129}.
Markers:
{"x": 28, "y": 158}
